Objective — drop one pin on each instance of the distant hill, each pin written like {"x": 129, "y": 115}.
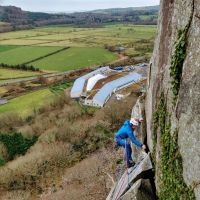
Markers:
{"x": 125, "y": 10}
{"x": 14, "y": 18}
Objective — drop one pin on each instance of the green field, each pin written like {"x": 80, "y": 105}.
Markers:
{"x": 75, "y": 58}
{"x": 10, "y": 73}
{"x": 2, "y": 90}
{"x": 87, "y": 45}
{"x": 25, "y": 105}
{"x": 87, "y": 48}
{"x": 80, "y": 37}
{"x": 7, "y": 47}
{"x": 24, "y": 54}
{"x": 146, "y": 17}
{"x": 20, "y": 34}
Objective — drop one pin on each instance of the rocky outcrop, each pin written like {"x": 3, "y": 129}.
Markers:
{"x": 127, "y": 186}
{"x": 141, "y": 190}
{"x": 172, "y": 103}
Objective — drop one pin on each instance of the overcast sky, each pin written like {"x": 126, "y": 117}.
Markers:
{"x": 75, "y": 5}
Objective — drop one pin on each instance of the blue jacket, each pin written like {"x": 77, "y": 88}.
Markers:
{"x": 127, "y": 132}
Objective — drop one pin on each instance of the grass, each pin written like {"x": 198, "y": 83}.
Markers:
{"x": 11, "y": 73}
{"x": 20, "y": 34}
{"x": 24, "y": 42}
{"x": 58, "y": 88}
{"x": 2, "y": 90}
{"x": 7, "y": 47}
{"x": 121, "y": 34}
{"x": 50, "y": 38}
{"x": 24, "y": 54}
{"x": 25, "y": 105}
{"x": 146, "y": 17}
{"x": 75, "y": 58}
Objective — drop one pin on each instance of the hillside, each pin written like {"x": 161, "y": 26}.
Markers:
{"x": 64, "y": 150}
{"x": 19, "y": 19}
{"x": 127, "y": 10}
{"x": 63, "y": 145}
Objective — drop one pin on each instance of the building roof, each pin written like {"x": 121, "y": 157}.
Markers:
{"x": 79, "y": 84}
{"x": 93, "y": 80}
{"x": 105, "y": 92}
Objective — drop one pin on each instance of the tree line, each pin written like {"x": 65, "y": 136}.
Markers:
{"x": 20, "y": 67}
{"x": 19, "y": 19}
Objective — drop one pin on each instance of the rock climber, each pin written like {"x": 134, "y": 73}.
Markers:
{"x": 125, "y": 132}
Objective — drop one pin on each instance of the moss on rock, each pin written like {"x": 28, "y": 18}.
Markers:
{"x": 177, "y": 61}
{"x": 171, "y": 182}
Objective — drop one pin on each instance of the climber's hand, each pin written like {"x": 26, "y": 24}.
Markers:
{"x": 143, "y": 147}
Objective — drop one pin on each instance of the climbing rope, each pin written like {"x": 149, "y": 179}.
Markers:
{"x": 118, "y": 194}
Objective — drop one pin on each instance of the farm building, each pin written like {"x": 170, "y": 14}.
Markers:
{"x": 93, "y": 80}
{"x": 103, "y": 95}
{"x": 78, "y": 87}
{"x": 97, "y": 87}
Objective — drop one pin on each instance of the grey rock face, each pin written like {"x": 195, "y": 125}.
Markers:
{"x": 185, "y": 116}
{"x": 129, "y": 178}
{"x": 141, "y": 190}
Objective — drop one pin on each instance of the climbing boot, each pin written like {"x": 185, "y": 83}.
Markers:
{"x": 130, "y": 164}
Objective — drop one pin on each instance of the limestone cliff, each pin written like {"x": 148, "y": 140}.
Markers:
{"x": 173, "y": 101}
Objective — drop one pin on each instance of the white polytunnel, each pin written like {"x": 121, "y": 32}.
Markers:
{"x": 93, "y": 80}
{"x": 78, "y": 85}
{"x": 106, "y": 91}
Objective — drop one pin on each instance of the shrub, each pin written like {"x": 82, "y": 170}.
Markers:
{"x": 8, "y": 122}
{"x": 2, "y": 161}
{"x": 16, "y": 144}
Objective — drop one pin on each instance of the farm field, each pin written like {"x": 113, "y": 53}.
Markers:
{"x": 87, "y": 48}
{"x": 2, "y": 90}
{"x": 145, "y": 17}
{"x": 20, "y": 34}
{"x": 25, "y": 54}
{"x": 24, "y": 42}
{"x": 87, "y": 45}
{"x": 11, "y": 73}
{"x": 108, "y": 35}
{"x": 25, "y": 105}
{"x": 7, "y": 47}
{"x": 75, "y": 58}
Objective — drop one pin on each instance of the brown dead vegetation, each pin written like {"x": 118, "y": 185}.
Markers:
{"x": 68, "y": 133}
{"x": 88, "y": 179}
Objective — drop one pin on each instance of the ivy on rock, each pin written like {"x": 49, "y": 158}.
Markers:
{"x": 171, "y": 182}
